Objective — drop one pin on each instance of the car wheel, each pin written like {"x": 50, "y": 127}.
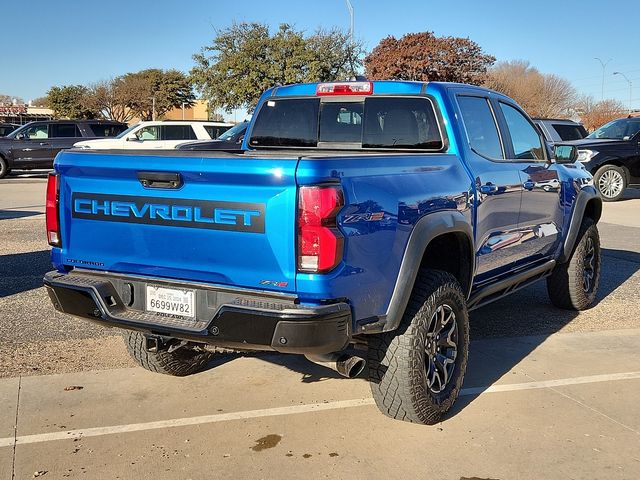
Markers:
{"x": 416, "y": 372}
{"x": 573, "y": 285}
{"x": 179, "y": 363}
{"x": 611, "y": 182}
{"x": 4, "y": 168}
{"x": 546, "y": 188}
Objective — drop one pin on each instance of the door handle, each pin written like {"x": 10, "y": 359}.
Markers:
{"x": 42, "y": 144}
{"x": 488, "y": 188}
{"x": 529, "y": 185}
{"x": 160, "y": 180}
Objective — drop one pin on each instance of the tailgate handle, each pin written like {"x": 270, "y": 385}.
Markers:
{"x": 160, "y": 179}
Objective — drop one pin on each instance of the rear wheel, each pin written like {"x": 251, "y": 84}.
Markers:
{"x": 179, "y": 363}
{"x": 573, "y": 285}
{"x": 611, "y": 182}
{"x": 4, "y": 168}
{"x": 416, "y": 372}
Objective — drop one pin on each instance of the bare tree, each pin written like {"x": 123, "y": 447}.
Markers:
{"x": 595, "y": 114}
{"x": 111, "y": 100}
{"x": 541, "y": 95}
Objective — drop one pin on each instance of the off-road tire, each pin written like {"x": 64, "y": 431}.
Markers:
{"x": 566, "y": 284}
{"x": 4, "y": 168}
{"x": 179, "y": 363}
{"x": 616, "y": 172}
{"x": 396, "y": 360}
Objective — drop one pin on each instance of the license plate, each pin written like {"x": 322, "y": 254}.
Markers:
{"x": 170, "y": 301}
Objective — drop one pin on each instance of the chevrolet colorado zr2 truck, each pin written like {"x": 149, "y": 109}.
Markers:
{"x": 360, "y": 224}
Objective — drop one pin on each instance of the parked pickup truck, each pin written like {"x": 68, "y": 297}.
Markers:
{"x": 361, "y": 224}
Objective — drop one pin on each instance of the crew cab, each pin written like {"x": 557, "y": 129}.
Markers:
{"x": 612, "y": 155}
{"x": 158, "y": 134}
{"x": 35, "y": 144}
{"x": 358, "y": 226}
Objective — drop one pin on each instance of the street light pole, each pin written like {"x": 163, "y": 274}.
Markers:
{"x": 630, "y": 88}
{"x": 352, "y": 23}
{"x": 603, "y": 64}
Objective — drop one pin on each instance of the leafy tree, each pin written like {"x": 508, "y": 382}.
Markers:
{"x": 70, "y": 101}
{"x": 541, "y": 95}
{"x": 246, "y": 59}
{"x": 423, "y": 56}
{"x": 595, "y": 114}
{"x": 169, "y": 88}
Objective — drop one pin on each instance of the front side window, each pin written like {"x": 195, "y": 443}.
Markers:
{"x": 376, "y": 122}
{"x": 36, "y": 132}
{"x": 480, "y": 124}
{"x": 215, "y": 131}
{"x": 178, "y": 132}
{"x": 65, "y": 130}
{"x": 149, "y": 133}
{"x": 524, "y": 137}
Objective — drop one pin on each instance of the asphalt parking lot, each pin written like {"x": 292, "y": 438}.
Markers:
{"x": 549, "y": 394}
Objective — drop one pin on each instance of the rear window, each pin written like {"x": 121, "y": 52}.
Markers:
{"x": 376, "y": 122}
{"x": 107, "y": 129}
{"x": 569, "y": 132}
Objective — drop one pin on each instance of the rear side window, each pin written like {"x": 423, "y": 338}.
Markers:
{"x": 64, "y": 130}
{"x": 569, "y": 132}
{"x": 376, "y": 122}
{"x": 178, "y": 132}
{"x": 524, "y": 137}
{"x": 106, "y": 129}
{"x": 480, "y": 124}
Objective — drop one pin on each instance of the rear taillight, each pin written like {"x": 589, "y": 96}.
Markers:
{"x": 320, "y": 242}
{"x": 53, "y": 221}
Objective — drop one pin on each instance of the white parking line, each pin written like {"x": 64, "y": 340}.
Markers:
{"x": 292, "y": 410}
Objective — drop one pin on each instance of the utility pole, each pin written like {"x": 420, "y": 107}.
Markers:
{"x": 153, "y": 108}
{"x": 352, "y": 22}
{"x": 183, "y": 104}
{"x": 603, "y": 64}
{"x": 630, "y": 88}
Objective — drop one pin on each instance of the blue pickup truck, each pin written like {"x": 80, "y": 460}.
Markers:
{"x": 359, "y": 225}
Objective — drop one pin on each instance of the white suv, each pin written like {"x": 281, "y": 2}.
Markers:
{"x": 162, "y": 135}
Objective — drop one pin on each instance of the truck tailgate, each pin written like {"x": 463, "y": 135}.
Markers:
{"x": 230, "y": 219}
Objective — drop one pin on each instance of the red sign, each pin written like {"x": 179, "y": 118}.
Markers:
{"x": 13, "y": 109}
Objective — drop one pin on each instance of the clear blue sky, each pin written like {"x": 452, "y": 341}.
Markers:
{"x": 55, "y": 42}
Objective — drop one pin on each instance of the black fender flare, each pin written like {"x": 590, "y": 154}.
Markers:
{"x": 585, "y": 195}
{"x": 424, "y": 231}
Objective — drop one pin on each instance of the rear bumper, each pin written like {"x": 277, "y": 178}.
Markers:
{"x": 224, "y": 317}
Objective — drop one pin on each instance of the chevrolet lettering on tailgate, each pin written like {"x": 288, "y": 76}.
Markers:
{"x": 236, "y": 216}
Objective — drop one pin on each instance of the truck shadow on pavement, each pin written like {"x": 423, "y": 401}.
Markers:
{"x": 10, "y": 214}
{"x": 20, "y": 272}
{"x": 502, "y": 333}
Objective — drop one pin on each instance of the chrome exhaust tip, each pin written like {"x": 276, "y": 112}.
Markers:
{"x": 345, "y": 364}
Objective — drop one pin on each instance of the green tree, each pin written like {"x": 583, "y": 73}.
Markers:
{"x": 153, "y": 89}
{"x": 423, "y": 56}
{"x": 245, "y": 59}
{"x": 70, "y": 101}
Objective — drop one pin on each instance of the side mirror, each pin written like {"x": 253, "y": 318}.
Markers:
{"x": 241, "y": 139}
{"x": 565, "y": 153}
{"x": 132, "y": 138}
{"x": 22, "y": 136}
